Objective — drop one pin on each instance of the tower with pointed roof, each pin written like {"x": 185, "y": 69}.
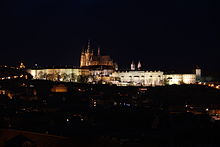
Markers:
{"x": 82, "y": 58}
{"x": 139, "y": 65}
{"x": 132, "y": 66}
{"x": 86, "y": 56}
{"x": 98, "y": 53}
{"x": 198, "y": 73}
{"x": 22, "y": 66}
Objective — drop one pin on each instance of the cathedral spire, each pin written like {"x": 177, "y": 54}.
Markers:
{"x": 98, "y": 51}
{"x": 83, "y": 50}
{"x": 89, "y": 47}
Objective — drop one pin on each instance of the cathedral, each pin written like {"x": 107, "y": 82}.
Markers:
{"x": 89, "y": 59}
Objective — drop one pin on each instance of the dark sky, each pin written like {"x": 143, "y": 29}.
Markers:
{"x": 162, "y": 34}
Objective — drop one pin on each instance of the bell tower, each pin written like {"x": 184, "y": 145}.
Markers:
{"x": 198, "y": 73}
{"x": 132, "y": 66}
{"x": 82, "y": 59}
{"x": 139, "y": 65}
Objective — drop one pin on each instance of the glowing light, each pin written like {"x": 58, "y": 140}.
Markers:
{"x": 22, "y": 66}
{"x": 59, "y": 88}
{"x": 207, "y": 109}
{"x": 94, "y": 103}
{"x": 10, "y": 95}
{"x": 67, "y": 120}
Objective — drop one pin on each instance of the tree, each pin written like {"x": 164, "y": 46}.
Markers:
{"x": 64, "y": 77}
{"x": 82, "y": 79}
{"x": 73, "y": 77}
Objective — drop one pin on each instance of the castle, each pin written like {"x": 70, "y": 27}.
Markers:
{"x": 98, "y": 68}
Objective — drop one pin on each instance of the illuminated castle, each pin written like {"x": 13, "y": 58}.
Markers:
{"x": 95, "y": 68}
{"x": 88, "y": 58}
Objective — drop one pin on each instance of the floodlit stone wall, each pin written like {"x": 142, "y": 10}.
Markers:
{"x": 138, "y": 78}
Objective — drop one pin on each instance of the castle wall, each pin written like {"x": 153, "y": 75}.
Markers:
{"x": 145, "y": 78}
{"x": 180, "y": 79}
{"x": 126, "y": 78}
{"x": 66, "y": 75}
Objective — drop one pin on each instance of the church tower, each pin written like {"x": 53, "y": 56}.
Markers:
{"x": 98, "y": 53}
{"x": 82, "y": 59}
{"x": 139, "y": 65}
{"x": 86, "y": 56}
{"x": 132, "y": 66}
{"x": 198, "y": 73}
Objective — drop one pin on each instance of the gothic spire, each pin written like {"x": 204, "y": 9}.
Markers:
{"x": 98, "y": 51}
{"x": 89, "y": 47}
{"x": 83, "y": 50}
{"x": 132, "y": 66}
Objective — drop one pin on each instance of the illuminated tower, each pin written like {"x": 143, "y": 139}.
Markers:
{"x": 116, "y": 66}
{"x": 198, "y": 73}
{"x": 98, "y": 51}
{"x": 22, "y": 66}
{"x": 88, "y": 48}
{"x": 82, "y": 59}
{"x": 86, "y": 56}
{"x": 132, "y": 66}
{"x": 139, "y": 65}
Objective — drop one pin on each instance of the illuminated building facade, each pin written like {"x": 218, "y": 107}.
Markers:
{"x": 120, "y": 77}
{"x": 178, "y": 79}
{"x": 58, "y": 74}
{"x": 138, "y": 78}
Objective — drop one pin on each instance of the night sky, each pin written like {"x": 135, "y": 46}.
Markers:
{"x": 162, "y": 34}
